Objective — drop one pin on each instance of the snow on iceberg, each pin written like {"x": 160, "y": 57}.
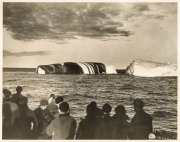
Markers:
{"x": 151, "y": 69}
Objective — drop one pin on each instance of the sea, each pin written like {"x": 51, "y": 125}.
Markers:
{"x": 158, "y": 93}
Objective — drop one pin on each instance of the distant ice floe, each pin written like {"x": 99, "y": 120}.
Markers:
{"x": 151, "y": 69}
{"x": 76, "y": 68}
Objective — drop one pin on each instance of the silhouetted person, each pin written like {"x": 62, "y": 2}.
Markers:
{"x": 52, "y": 98}
{"x": 87, "y": 127}
{"x": 64, "y": 126}
{"x": 106, "y": 119}
{"x": 141, "y": 123}
{"x": 18, "y": 98}
{"x": 120, "y": 124}
{"x": 58, "y": 100}
{"x": 23, "y": 125}
{"x": 7, "y": 130}
{"x": 53, "y": 108}
{"x": 30, "y": 113}
{"x": 44, "y": 118}
{"x": 13, "y": 106}
{"x": 99, "y": 124}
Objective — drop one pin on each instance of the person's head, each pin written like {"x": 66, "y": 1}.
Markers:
{"x": 43, "y": 104}
{"x": 106, "y": 108}
{"x": 52, "y": 96}
{"x": 120, "y": 110}
{"x": 91, "y": 109}
{"x": 19, "y": 89}
{"x": 7, "y": 93}
{"x": 94, "y": 104}
{"x": 138, "y": 105}
{"x": 59, "y": 99}
{"x": 64, "y": 107}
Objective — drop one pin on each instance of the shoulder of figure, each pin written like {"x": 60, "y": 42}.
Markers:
{"x": 147, "y": 115}
{"x": 36, "y": 109}
{"x": 47, "y": 110}
{"x": 14, "y": 95}
{"x": 82, "y": 120}
{"x": 56, "y": 120}
{"x": 30, "y": 112}
{"x": 71, "y": 117}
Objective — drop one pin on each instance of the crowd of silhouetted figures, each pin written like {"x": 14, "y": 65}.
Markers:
{"x": 52, "y": 120}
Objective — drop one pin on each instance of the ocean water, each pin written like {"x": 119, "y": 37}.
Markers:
{"x": 159, "y": 94}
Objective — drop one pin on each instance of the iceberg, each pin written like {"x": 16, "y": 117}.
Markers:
{"x": 151, "y": 69}
{"x": 50, "y": 69}
{"x": 76, "y": 68}
{"x": 110, "y": 69}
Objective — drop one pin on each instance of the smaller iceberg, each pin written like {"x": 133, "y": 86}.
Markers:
{"x": 151, "y": 69}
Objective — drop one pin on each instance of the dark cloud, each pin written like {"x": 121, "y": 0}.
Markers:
{"x": 159, "y": 17}
{"x": 132, "y": 16}
{"x": 29, "y": 21}
{"x": 149, "y": 11}
{"x": 141, "y": 7}
{"x": 7, "y": 53}
{"x": 33, "y": 21}
{"x": 20, "y": 54}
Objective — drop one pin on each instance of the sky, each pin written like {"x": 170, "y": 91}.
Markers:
{"x": 112, "y": 33}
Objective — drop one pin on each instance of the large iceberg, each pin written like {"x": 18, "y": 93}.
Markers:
{"x": 151, "y": 69}
{"x": 76, "y": 68}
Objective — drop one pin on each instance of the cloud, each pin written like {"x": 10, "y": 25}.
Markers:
{"x": 159, "y": 17}
{"x": 34, "y": 21}
{"x": 141, "y": 7}
{"x": 20, "y": 54}
{"x": 28, "y": 21}
{"x": 149, "y": 11}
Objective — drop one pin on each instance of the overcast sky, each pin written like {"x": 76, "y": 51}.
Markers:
{"x": 111, "y": 33}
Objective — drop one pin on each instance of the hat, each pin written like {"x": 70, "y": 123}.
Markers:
{"x": 43, "y": 102}
{"x": 106, "y": 108}
{"x": 139, "y": 103}
{"x": 64, "y": 107}
{"x": 52, "y": 95}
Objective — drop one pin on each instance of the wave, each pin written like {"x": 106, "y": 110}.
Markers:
{"x": 151, "y": 93}
{"x": 128, "y": 86}
{"x": 163, "y": 114}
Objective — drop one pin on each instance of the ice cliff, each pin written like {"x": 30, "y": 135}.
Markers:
{"x": 151, "y": 69}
